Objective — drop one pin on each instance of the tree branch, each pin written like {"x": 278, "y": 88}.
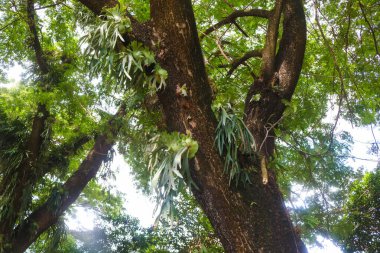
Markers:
{"x": 9, "y": 24}
{"x": 291, "y": 51}
{"x": 49, "y": 212}
{"x": 42, "y": 64}
{"x": 269, "y": 51}
{"x": 370, "y": 27}
{"x": 233, "y": 16}
{"x": 271, "y": 90}
{"x": 240, "y": 28}
{"x": 59, "y": 157}
{"x": 236, "y": 63}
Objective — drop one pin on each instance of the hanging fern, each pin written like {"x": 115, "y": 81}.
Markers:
{"x": 233, "y": 136}
{"x": 13, "y": 135}
{"x": 169, "y": 166}
{"x": 125, "y": 65}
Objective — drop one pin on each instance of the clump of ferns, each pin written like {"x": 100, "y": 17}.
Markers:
{"x": 231, "y": 138}
{"x": 111, "y": 54}
{"x": 13, "y": 136}
{"x": 169, "y": 155}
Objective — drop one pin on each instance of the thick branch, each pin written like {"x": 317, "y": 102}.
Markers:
{"x": 265, "y": 112}
{"x": 269, "y": 51}
{"x": 48, "y": 213}
{"x": 234, "y": 15}
{"x": 38, "y": 127}
{"x": 251, "y": 219}
{"x": 60, "y": 156}
{"x": 291, "y": 51}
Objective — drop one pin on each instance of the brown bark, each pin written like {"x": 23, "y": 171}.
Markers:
{"x": 247, "y": 219}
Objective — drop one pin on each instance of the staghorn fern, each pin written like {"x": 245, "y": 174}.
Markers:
{"x": 126, "y": 64}
{"x": 232, "y": 136}
{"x": 169, "y": 164}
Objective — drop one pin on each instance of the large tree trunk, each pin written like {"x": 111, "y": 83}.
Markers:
{"x": 250, "y": 218}
{"x": 246, "y": 219}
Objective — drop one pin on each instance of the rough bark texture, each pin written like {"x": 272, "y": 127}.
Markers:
{"x": 248, "y": 219}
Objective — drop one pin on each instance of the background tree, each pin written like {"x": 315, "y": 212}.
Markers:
{"x": 358, "y": 229}
{"x": 204, "y": 101}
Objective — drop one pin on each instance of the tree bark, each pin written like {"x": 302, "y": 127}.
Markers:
{"x": 246, "y": 219}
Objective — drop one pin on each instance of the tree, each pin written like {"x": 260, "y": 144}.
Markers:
{"x": 122, "y": 233}
{"x": 148, "y": 59}
{"x": 358, "y": 230}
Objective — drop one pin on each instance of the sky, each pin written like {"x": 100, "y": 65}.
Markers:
{"x": 140, "y": 206}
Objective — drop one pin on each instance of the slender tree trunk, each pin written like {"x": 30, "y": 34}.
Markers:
{"x": 246, "y": 219}
{"x": 46, "y": 215}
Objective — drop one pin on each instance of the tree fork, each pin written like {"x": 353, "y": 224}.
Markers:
{"x": 247, "y": 219}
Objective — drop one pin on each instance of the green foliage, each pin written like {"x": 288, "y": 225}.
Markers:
{"x": 169, "y": 158}
{"x": 121, "y": 233}
{"x": 359, "y": 228}
{"x": 232, "y": 136}
{"x": 192, "y": 232}
{"x": 86, "y": 81}
{"x": 13, "y": 135}
{"x": 55, "y": 240}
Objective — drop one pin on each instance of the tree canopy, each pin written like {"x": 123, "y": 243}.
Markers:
{"x": 222, "y": 109}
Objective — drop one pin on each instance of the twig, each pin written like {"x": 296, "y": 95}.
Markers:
{"x": 234, "y": 15}
{"x": 239, "y": 28}
{"x": 343, "y": 91}
{"x": 236, "y": 63}
{"x": 217, "y": 41}
{"x": 374, "y": 138}
{"x": 229, "y": 4}
{"x": 10, "y": 23}
{"x": 370, "y": 28}
{"x": 271, "y": 126}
